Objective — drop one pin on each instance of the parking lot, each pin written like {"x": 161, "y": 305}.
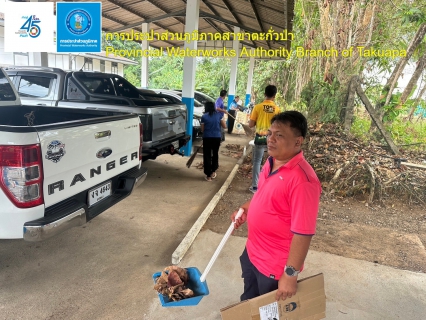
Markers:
{"x": 103, "y": 270}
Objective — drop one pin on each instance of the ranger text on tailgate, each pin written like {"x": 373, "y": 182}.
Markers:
{"x": 61, "y": 167}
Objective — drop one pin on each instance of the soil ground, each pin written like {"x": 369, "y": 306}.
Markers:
{"x": 392, "y": 235}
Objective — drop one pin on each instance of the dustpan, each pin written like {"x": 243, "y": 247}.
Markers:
{"x": 197, "y": 281}
{"x": 200, "y": 290}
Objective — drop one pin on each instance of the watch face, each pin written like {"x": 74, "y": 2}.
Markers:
{"x": 290, "y": 271}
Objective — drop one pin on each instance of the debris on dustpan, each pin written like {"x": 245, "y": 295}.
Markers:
{"x": 179, "y": 287}
{"x": 172, "y": 283}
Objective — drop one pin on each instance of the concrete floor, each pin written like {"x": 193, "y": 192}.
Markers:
{"x": 355, "y": 290}
{"x": 104, "y": 269}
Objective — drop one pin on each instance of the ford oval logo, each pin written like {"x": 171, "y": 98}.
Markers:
{"x": 103, "y": 153}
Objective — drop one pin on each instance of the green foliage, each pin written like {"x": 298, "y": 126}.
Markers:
{"x": 133, "y": 74}
{"x": 405, "y": 132}
{"x": 298, "y": 105}
{"x": 324, "y": 100}
{"x": 392, "y": 110}
{"x": 410, "y": 14}
{"x": 360, "y": 128}
{"x": 280, "y": 102}
{"x": 402, "y": 131}
{"x": 165, "y": 72}
{"x": 268, "y": 72}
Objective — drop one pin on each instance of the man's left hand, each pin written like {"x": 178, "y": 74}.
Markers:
{"x": 287, "y": 287}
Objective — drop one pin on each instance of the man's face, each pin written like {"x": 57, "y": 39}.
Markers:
{"x": 237, "y": 99}
{"x": 283, "y": 142}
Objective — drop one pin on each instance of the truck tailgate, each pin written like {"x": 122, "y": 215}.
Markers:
{"x": 168, "y": 121}
{"x": 76, "y": 159}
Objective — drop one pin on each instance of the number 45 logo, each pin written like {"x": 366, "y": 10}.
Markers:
{"x": 31, "y": 26}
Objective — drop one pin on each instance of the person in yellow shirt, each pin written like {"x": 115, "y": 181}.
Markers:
{"x": 261, "y": 118}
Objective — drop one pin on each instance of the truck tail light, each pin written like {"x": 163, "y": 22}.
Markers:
{"x": 141, "y": 140}
{"x": 21, "y": 175}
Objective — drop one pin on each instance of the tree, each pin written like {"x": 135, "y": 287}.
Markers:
{"x": 416, "y": 102}
{"x": 391, "y": 83}
{"x": 416, "y": 75}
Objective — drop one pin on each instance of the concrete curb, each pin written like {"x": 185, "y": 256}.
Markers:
{"x": 183, "y": 247}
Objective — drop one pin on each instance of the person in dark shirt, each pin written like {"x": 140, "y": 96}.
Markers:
{"x": 211, "y": 124}
{"x": 233, "y": 108}
{"x": 220, "y": 107}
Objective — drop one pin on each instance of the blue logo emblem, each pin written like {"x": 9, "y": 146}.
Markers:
{"x": 30, "y": 26}
{"x": 79, "y": 26}
{"x": 79, "y": 22}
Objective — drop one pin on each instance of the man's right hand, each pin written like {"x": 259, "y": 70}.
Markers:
{"x": 240, "y": 220}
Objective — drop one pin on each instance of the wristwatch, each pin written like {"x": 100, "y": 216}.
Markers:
{"x": 290, "y": 271}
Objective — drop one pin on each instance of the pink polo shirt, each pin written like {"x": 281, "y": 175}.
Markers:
{"x": 286, "y": 202}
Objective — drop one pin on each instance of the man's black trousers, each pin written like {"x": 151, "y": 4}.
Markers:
{"x": 255, "y": 283}
{"x": 231, "y": 120}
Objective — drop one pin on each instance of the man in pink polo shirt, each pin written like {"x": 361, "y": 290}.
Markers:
{"x": 282, "y": 214}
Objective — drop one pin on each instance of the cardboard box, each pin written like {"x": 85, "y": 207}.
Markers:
{"x": 241, "y": 117}
{"x": 308, "y": 303}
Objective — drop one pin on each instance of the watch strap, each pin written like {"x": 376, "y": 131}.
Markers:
{"x": 294, "y": 272}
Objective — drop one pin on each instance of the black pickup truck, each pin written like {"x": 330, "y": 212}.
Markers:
{"x": 163, "y": 119}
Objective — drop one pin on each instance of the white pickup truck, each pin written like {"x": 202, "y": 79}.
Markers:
{"x": 62, "y": 167}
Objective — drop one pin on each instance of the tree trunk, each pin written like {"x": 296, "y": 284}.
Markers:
{"x": 349, "y": 112}
{"x": 391, "y": 83}
{"x": 416, "y": 75}
{"x": 376, "y": 120}
{"x": 416, "y": 103}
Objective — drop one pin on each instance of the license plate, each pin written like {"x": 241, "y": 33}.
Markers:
{"x": 99, "y": 193}
{"x": 175, "y": 144}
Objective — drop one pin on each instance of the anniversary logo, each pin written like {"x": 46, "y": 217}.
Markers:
{"x": 28, "y": 27}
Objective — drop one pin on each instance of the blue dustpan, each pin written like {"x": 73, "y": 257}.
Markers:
{"x": 200, "y": 290}
{"x": 196, "y": 280}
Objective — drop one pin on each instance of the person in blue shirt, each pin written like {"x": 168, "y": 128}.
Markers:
{"x": 211, "y": 124}
{"x": 220, "y": 107}
{"x": 233, "y": 108}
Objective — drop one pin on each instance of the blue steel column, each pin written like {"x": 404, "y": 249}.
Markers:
{"x": 189, "y": 65}
{"x": 144, "y": 64}
{"x": 234, "y": 65}
{"x": 249, "y": 80}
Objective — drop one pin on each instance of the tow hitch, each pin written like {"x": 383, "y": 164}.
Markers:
{"x": 175, "y": 151}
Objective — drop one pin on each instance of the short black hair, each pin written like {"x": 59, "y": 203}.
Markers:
{"x": 295, "y": 119}
{"x": 223, "y": 93}
{"x": 270, "y": 91}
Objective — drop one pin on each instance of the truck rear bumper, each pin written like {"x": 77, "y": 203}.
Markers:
{"x": 168, "y": 146}
{"x": 74, "y": 212}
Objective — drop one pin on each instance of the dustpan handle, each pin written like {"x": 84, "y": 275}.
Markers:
{"x": 220, "y": 246}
